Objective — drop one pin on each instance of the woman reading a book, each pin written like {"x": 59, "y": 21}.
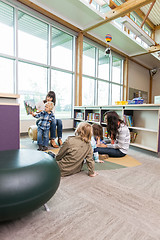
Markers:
{"x": 56, "y": 123}
{"x": 119, "y": 134}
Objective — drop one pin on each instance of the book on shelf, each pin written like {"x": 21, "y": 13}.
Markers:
{"x": 128, "y": 119}
{"x": 76, "y": 124}
{"x": 80, "y": 115}
{"x": 133, "y": 136}
{"x": 105, "y": 133}
{"x": 93, "y": 117}
{"x": 30, "y": 106}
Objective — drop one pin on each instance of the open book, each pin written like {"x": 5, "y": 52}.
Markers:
{"x": 30, "y": 106}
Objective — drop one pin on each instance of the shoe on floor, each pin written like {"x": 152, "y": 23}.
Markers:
{"x": 53, "y": 144}
{"x": 60, "y": 141}
{"x": 52, "y": 154}
{"x": 39, "y": 148}
{"x": 44, "y": 148}
{"x": 103, "y": 156}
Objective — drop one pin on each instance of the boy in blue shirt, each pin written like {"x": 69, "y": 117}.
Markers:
{"x": 45, "y": 118}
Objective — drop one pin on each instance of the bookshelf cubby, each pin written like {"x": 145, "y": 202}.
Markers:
{"x": 79, "y": 115}
{"x": 143, "y": 121}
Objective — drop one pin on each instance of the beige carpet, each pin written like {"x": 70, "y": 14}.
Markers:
{"x": 119, "y": 204}
{"x": 126, "y": 161}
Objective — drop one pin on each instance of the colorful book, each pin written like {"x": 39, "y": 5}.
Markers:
{"x": 30, "y": 106}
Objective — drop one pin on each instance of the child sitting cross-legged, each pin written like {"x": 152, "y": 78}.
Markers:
{"x": 45, "y": 118}
{"x": 97, "y": 139}
{"x": 74, "y": 150}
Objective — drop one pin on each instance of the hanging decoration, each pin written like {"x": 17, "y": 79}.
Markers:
{"x": 108, "y": 38}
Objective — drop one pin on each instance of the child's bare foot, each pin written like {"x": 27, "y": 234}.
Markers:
{"x": 93, "y": 175}
{"x": 101, "y": 161}
{"x": 103, "y": 156}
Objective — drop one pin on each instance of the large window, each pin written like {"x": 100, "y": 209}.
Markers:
{"x": 88, "y": 59}
{"x": 61, "y": 82}
{"x": 103, "y": 65}
{"x": 116, "y": 69}
{"x": 35, "y": 57}
{"x": 6, "y": 75}
{"x": 62, "y": 49}
{"x": 102, "y": 76}
{"x": 88, "y": 86}
{"x": 32, "y": 84}
{"x": 32, "y": 38}
{"x": 103, "y": 93}
{"x": 6, "y": 29}
{"x": 116, "y": 93}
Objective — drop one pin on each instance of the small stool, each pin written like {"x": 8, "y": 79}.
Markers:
{"x": 28, "y": 179}
{"x": 32, "y": 132}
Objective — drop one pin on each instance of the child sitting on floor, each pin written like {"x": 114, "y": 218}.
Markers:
{"x": 74, "y": 150}
{"x": 97, "y": 139}
{"x": 44, "y": 125}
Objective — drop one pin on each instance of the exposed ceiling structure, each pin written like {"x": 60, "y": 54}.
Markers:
{"x": 87, "y": 19}
{"x": 154, "y": 15}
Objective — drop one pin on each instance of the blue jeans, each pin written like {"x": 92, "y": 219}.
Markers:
{"x": 112, "y": 152}
{"x": 57, "y": 123}
{"x": 42, "y": 137}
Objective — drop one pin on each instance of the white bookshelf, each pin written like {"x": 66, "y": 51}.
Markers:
{"x": 146, "y": 122}
{"x": 146, "y": 125}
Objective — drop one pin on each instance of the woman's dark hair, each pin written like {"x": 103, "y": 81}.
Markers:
{"x": 112, "y": 123}
{"x": 52, "y": 95}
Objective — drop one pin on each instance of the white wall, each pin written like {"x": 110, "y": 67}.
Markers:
{"x": 24, "y": 125}
{"x": 156, "y": 85}
{"x": 157, "y": 36}
{"x": 138, "y": 77}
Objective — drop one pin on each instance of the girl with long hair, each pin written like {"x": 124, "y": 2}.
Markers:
{"x": 119, "y": 134}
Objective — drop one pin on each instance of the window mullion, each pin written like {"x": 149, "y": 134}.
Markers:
{"x": 16, "y": 51}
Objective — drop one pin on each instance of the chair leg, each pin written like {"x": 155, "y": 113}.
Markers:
{"x": 46, "y": 207}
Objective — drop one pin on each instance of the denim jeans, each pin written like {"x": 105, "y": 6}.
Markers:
{"x": 112, "y": 152}
{"x": 56, "y": 123}
{"x": 42, "y": 137}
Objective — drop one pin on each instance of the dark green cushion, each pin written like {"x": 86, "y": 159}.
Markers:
{"x": 28, "y": 179}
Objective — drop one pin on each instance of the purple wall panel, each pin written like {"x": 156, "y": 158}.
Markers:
{"x": 9, "y": 127}
{"x": 159, "y": 138}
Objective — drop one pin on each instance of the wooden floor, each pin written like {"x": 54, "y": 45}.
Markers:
{"x": 118, "y": 204}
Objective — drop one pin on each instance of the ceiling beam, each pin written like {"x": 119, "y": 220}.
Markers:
{"x": 146, "y": 16}
{"x": 120, "y": 11}
{"x": 150, "y": 8}
{"x": 157, "y": 27}
{"x": 151, "y": 49}
{"x": 142, "y": 16}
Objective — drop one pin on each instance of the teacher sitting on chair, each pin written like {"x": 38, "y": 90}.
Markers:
{"x": 56, "y": 123}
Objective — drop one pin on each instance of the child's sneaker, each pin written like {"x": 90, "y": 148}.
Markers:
{"x": 52, "y": 154}
{"x": 60, "y": 142}
{"x": 39, "y": 148}
{"x": 44, "y": 148}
